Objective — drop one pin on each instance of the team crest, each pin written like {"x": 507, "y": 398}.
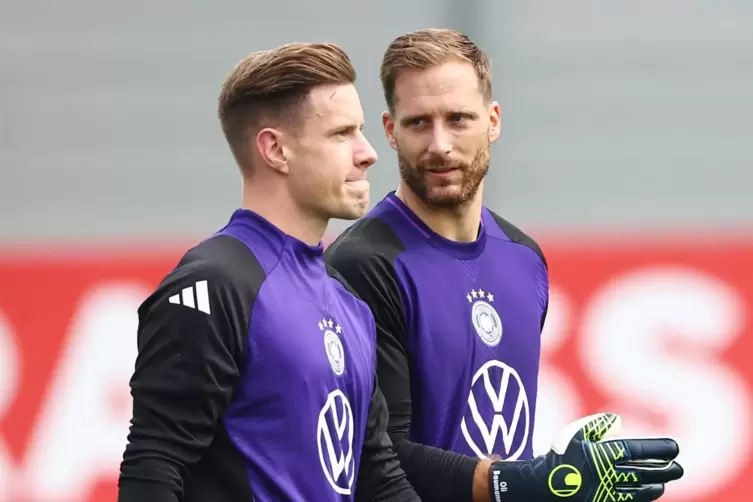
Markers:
{"x": 333, "y": 346}
{"x": 485, "y": 318}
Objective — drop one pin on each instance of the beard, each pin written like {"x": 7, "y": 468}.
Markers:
{"x": 445, "y": 193}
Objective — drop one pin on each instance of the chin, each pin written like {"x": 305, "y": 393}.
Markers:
{"x": 353, "y": 211}
{"x": 448, "y": 196}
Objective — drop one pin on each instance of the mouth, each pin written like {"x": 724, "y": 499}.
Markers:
{"x": 356, "y": 176}
{"x": 443, "y": 171}
{"x": 358, "y": 183}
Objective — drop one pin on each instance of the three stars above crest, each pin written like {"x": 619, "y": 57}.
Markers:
{"x": 326, "y": 324}
{"x": 479, "y": 294}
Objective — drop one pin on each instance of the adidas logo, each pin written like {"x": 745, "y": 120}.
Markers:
{"x": 193, "y": 297}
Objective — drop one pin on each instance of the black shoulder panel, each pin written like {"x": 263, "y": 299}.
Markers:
{"x": 517, "y": 235}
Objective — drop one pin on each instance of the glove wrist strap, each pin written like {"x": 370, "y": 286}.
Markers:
{"x": 514, "y": 482}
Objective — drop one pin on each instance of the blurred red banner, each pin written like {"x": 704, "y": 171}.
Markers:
{"x": 657, "y": 331}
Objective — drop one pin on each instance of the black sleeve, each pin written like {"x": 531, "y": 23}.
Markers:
{"x": 437, "y": 475}
{"x": 191, "y": 339}
{"x": 380, "y": 477}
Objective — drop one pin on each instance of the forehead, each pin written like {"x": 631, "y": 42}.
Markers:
{"x": 451, "y": 85}
{"x": 334, "y": 104}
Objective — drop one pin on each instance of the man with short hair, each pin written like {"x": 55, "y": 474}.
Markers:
{"x": 460, "y": 296}
{"x": 255, "y": 378}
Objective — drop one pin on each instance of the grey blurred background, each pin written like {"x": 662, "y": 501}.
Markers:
{"x": 621, "y": 115}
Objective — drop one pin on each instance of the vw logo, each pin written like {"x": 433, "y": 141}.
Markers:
{"x": 498, "y": 417}
{"x": 334, "y": 436}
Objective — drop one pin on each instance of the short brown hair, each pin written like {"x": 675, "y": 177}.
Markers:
{"x": 424, "y": 49}
{"x": 273, "y": 85}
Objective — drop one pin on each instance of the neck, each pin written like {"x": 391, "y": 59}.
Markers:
{"x": 459, "y": 224}
{"x": 279, "y": 208}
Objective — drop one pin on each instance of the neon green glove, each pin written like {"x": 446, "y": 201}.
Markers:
{"x": 589, "y": 463}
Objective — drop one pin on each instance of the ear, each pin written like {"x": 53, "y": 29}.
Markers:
{"x": 269, "y": 144}
{"x": 495, "y": 121}
{"x": 389, "y": 129}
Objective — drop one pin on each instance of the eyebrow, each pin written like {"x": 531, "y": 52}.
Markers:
{"x": 346, "y": 127}
{"x": 466, "y": 113}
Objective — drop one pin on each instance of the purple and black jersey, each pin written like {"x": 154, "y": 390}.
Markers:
{"x": 255, "y": 380}
{"x": 458, "y": 338}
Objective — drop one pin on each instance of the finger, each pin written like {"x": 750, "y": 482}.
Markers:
{"x": 642, "y": 494}
{"x": 600, "y": 426}
{"x": 636, "y": 475}
{"x": 590, "y": 429}
{"x": 648, "y": 449}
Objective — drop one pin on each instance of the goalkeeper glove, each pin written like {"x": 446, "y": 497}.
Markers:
{"x": 585, "y": 465}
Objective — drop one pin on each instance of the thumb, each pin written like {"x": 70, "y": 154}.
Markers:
{"x": 592, "y": 428}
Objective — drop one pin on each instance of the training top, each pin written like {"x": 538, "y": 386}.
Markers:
{"x": 255, "y": 380}
{"x": 458, "y": 336}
